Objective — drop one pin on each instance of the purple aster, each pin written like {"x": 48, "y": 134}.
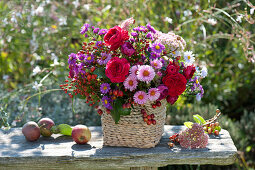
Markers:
{"x": 134, "y": 34}
{"x": 81, "y": 56}
{"x": 140, "y": 29}
{"x": 107, "y": 102}
{"x": 95, "y": 31}
{"x": 105, "y": 57}
{"x": 81, "y": 69}
{"x": 154, "y": 55}
{"x": 84, "y": 28}
{"x": 150, "y": 28}
{"x": 127, "y": 49}
{"x": 105, "y": 88}
{"x": 145, "y": 73}
{"x": 143, "y": 57}
{"x": 72, "y": 59}
{"x": 102, "y": 32}
{"x": 158, "y": 47}
{"x": 89, "y": 58}
{"x": 98, "y": 43}
{"x": 149, "y": 36}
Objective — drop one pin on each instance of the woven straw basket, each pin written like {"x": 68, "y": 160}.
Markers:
{"x": 132, "y": 131}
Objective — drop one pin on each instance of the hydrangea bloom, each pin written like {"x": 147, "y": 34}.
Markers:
{"x": 194, "y": 137}
{"x": 145, "y": 73}
{"x": 140, "y": 97}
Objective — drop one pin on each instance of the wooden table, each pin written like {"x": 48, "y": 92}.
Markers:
{"x": 60, "y": 152}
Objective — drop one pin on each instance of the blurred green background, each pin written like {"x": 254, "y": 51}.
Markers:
{"x": 37, "y": 36}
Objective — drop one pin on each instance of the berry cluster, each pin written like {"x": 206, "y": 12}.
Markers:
{"x": 213, "y": 128}
{"x": 149, "y": 119}
{"x": 155, "y": 105}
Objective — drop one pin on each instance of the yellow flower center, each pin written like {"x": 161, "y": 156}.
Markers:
{"x": 152, "y": 93}
{"x": 105, "y": 87}
{"x": 188, "y": 57}
{"x": 104, "y": 57}
{"x": 155, "y": 64}
{"x": 131, "y": 82}
{"x": 89, "y": 58}
{"x": 157, "y": 47}
{"x": 146, "y": 73}
{"x": 105, "y": 101}
{"x": 140, "y": 97}
{"x": 197, "y": 81}
{"x": 173, "y": 52}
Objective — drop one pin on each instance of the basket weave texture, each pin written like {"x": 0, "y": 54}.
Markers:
{"x": 132, "y": 131}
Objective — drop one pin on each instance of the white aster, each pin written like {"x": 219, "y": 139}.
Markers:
{"x": 189, "y": 57}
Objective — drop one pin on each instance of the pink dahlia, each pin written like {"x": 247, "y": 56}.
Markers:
{"x": 145, "y": 73}
{"x": 140, "y": 97}
{"x": 153, "y": 94}
{"x": 130, "y": 83}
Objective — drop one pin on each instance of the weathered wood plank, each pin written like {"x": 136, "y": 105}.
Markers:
{"x": 60, "y": 152}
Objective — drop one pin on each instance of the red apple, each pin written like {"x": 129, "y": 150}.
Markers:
{"x": 81, "y": 134}
{"x": 45, "y": 125}
{"x": 31, "y": 131}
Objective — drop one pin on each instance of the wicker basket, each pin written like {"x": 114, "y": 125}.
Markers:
{"x": 132, "y": 131}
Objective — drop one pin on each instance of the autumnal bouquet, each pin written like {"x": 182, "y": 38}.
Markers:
{"x": 126, "y": 66}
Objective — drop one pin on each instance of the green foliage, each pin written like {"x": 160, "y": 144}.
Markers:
{"x": 118, "y": 110}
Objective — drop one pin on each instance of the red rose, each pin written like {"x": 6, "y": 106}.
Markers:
{"x": 115, "y": 37}
{"x": 189, "y": 71}
{"x": 172, "y": 100}
{"x": 176, "y": 84}
{"x": 117, "y": 69}
{"x": 172, "y": 68}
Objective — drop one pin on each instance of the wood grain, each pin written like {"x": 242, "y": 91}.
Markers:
{"x": 60, "y": 152}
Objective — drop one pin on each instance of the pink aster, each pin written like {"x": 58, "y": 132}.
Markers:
{"x": 140, "y": 97}
{"x": 130, "y": 83}
{"x": 153, "y": 94}
{"x": 157, "y": 64}
{"x": 145, "y": 73}
{"x": 133, "y": 70}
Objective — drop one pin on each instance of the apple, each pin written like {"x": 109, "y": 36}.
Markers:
{"x": 81, "y": 134}
{"x": 45, "y": 126}
{"x": 31, "y": 131}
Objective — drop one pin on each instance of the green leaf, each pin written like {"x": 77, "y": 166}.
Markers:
{"x": 199, "y": 119}
{"x": 63, "y": 129}
{"x": 188, "y": 124}
{"x": 100, "y": 72}
{"x": 118, "y": 110}
{"x": 217, "y": 128}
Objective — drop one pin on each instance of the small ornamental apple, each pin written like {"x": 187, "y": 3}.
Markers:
{"x": 81, "y": 134}
{"x": 45, "y": 126}
{"x": 31, "y": 131}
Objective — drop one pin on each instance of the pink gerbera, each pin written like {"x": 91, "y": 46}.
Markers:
{"x": 153, "y": 94}
{"x": 133, "y": 71}
{"x": 145, "y": 73}
{"x": 157, "y": 64}
{"x": 130, "y": 83}
{"x": 140, "y": 97}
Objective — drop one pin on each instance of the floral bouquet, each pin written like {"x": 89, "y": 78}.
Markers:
{"x": 126, "y": 67}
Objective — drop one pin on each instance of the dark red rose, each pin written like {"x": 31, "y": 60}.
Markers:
{"x": 172, "y": 68}
{"x": 117, "y": 69}
{"x": 172, "y": 100}
{"x": 115, "y": 37}
{"x": 176, "y": 84}
{"x": 189, "y": 71}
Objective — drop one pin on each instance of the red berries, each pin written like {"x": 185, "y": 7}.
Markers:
{"x": 100, "y": 112}
{"x": 157, "y": 104}
{"x": 149, "y": 119}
